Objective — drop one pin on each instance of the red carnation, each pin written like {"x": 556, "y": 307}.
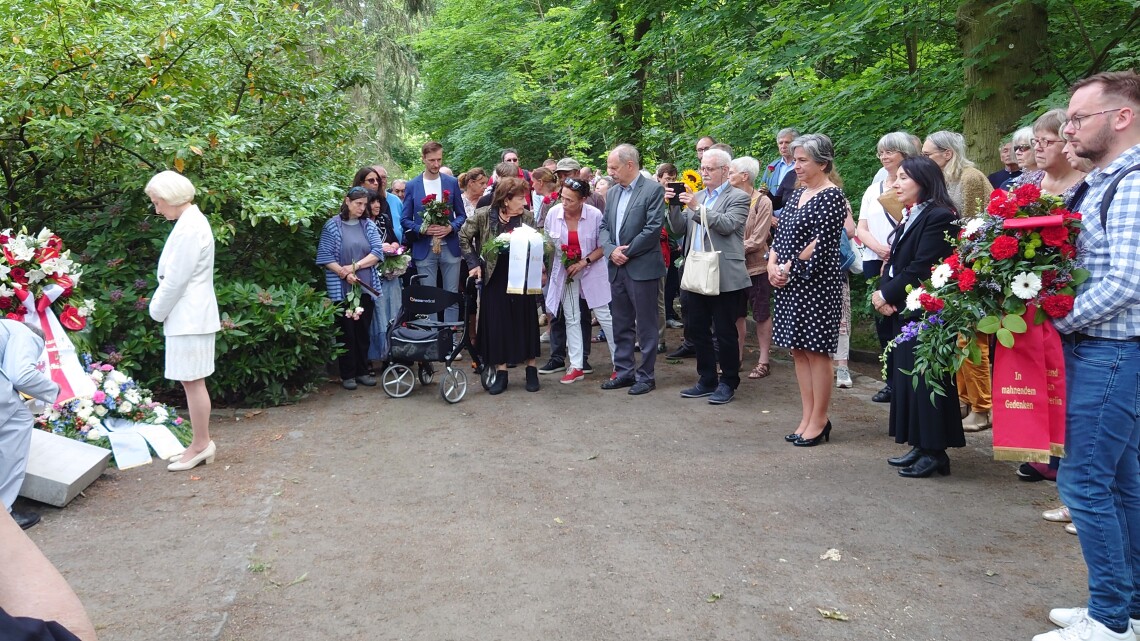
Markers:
{"x": 1027, "y": 194}
{"x": 1054, "y": 236}
{"x": 1057, "y": 305}
{"x": 1067, "y": 250}
{"x": 954, "y": 262}
{"x": 1004, "y": 247}
{"x": 1048, "y": 278}
{"x": 967, "y": 278}
{"x": 930, "y": 303}
{"x": 1002, "y": 205}
{"x": 1072, "y": 215}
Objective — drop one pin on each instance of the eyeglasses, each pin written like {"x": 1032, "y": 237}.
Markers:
{"x": 1044, "y": 143}
{"x": 890, "y": 152}
{"x": 1076, "y": 121}
{"x": 1022, "y": 147}
{"x": 931, "y": 153}
{"x": 373, "y": 180}
{"x": 709, "y": 170}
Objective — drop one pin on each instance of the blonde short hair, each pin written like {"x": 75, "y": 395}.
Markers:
{"x": 170, "y": 187}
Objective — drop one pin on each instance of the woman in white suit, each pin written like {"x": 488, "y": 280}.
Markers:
{"x": 186, "y": 306}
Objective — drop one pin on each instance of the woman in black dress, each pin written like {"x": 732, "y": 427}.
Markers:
{"x": 803, "y": 266}
{"x": 920, "y": 243}
{"x": 508, "y": 323}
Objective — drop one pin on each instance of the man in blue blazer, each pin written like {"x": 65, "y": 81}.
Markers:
{"x": 431, "y": 181}
{"x": 631, "y": 239}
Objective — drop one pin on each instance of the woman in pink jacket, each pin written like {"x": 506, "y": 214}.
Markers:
{"x": 579, "y": 270}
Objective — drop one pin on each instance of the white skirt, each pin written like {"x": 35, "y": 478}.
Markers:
{"x": 189, "y": 357}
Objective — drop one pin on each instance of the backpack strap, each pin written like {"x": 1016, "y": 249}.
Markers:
{"x": 1110, "y": 193}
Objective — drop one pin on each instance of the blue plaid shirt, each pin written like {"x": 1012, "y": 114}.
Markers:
{"x": 1108, "y": 303}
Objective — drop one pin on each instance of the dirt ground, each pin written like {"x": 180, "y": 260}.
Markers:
{"x": 573, "y": 513}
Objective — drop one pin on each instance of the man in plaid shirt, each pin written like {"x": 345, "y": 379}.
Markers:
{"x": 1099, "y": 478}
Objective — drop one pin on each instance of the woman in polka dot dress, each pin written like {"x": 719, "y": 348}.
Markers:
{"x": 803, "y": 266}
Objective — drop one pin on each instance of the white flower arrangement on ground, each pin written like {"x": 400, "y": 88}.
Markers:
{"x": 116, "y": 396}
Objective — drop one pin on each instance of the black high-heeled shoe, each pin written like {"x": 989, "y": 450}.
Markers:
{"x": 791, "y": 438}
{"x": 906, "y": 460}
{"x": 825, "y": 435}
{"x": 928, "y": 464}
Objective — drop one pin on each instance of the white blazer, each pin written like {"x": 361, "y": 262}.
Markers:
{"x": 184, "y": 301}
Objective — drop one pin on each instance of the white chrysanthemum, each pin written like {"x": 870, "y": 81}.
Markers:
{"x": 111, "y": 388}
{"x": 941, "y": 276}
{"x": 118, "y": 376}
{"x": 912, "y": 303}
{"x": 133, "y": 395}
{"x": 1025, "y": 285}
{"x": 126, "y": 407}
{"x": 973, "y": 225}
{"x": 97, "y": 376}
{"x": 100, "y": 411}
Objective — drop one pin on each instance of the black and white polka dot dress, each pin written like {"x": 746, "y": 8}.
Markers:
{"x": 807, "y": 309}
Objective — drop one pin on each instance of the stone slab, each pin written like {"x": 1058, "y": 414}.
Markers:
{"x": 59, "y": 468}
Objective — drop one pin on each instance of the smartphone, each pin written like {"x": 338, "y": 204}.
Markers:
{"x": 678, "y": 189}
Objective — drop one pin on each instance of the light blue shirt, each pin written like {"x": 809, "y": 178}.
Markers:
{"x": 624, "y": 194}
{"x": 710, "y": 200}
{"x": 773, "y": 178}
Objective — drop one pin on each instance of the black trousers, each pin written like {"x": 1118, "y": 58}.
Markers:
{"x": 705, "y": 313}
{"x": 354, "y": 336}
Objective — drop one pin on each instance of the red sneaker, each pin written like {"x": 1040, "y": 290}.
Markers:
{"x": 572, "y": 375}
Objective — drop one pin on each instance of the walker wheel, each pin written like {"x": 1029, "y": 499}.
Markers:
{"x": 453, "y": 385}
{"x": 398, "y": 380}
{"x": 487, "y": 377}
{"x": 427, "y": 373}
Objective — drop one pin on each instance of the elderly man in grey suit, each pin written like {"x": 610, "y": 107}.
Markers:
{"x": 20, "y": 349}
{"x": 631, "y": 239}
{"x": 726, "y": 210}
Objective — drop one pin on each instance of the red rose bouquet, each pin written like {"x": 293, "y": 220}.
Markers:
{"x": 436, "y": 212}
{"x": 570, "y": 255}
{"x": 1013, "y": 263}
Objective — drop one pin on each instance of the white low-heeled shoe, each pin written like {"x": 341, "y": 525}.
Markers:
{"x": 206, "y": 455}
{"x": 1071, "y": 528}
{"x": 173, "y": 458}
{"x": 1059, "y": 515}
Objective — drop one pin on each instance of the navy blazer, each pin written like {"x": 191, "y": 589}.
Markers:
{"x": 919, "y": 249}
{"x": 641, "y": 230}
{"x": 412, "y": 216}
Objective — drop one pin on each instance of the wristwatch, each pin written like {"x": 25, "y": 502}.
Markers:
{"x": 588, "y": 261}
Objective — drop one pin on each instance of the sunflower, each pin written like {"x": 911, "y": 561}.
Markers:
{"x": 692, "y": 179}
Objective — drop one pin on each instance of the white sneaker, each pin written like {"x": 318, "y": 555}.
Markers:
{"x": 1065, "y": 617}
{"x": 1058, "y": 515}
{"x": 843, "y": 378}
{"x": 1082, "y": 628}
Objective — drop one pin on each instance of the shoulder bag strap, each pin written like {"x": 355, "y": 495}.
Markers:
{"x": 1110, "y": 193}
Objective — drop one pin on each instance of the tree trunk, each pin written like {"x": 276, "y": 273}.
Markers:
{"x": 631, "y": 109}
{"x": 1005, "y": 68}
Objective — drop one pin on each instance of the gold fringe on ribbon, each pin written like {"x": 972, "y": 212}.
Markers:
{"x": 1024, "y": 454}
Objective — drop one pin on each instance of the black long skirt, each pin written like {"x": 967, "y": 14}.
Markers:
{"x": 914, "y": 419}
{"x": 508, "y": 323}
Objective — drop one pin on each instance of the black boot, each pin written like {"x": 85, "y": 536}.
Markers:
{"x": 906, "y": 460}
{"x": 927, "y": 464}
{"x": 532, "y": 378}
{"x": 500, "y": 384}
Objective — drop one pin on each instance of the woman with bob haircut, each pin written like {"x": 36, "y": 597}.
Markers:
{"x": 187, "y": 307}
{"x": 920, "y": 242}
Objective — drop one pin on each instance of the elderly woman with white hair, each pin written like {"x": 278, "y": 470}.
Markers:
{"x": 742, "y": 173}
{"x": 879, "y": 213}
{"x": 186, "y": 306}
{"x": 968, "y": 186}
{"x": 1026, "y": 156}
{"x": 803, "y": 266}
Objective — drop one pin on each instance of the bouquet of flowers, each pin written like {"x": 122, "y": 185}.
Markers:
{"x": 570, "y": 255}
{"x": 495, "y": 245}
{"x": 116, "y": 396}
{"x": 436, "y": 212}
{"x": 395, "y": 262}
{"x": 39, "y": 267}
{"x": 1014, "y": 262}
{"x": 692, "y": 179}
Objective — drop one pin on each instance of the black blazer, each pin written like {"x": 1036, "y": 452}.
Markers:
{"x": 916, "y": 252}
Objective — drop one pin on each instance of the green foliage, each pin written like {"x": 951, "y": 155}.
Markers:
{"x": 252, "y": 100}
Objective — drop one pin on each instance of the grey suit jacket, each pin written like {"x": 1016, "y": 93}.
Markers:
{"x": 19, "y": 351}
{"x": 641, "y": 230}
{"x": 726, "y": 220}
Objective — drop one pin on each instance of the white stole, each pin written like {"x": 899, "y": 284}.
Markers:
{"x": 524, "y": 268}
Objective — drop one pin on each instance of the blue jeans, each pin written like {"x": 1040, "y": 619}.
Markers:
{"x": 431, "y": 265}
{"x": 1099, "y": 478}
{"x": 387, "y": 307}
